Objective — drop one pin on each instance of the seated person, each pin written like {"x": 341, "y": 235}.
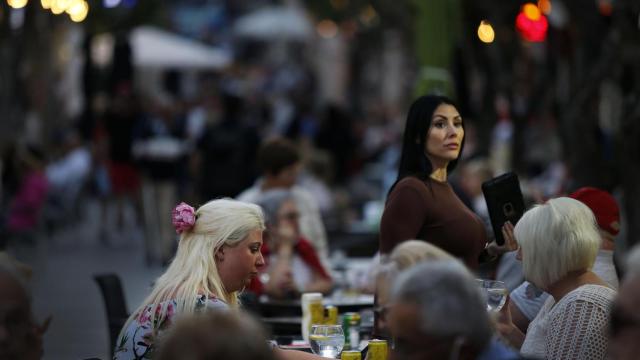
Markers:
{"x": 292, "y": 266}
{"x": 218, "y": 255}
{"x": 624, "y": 328}
{"x": 216, "y": 335}
{"x": 279, "y": 161}
{"x": 404, "y": 256}
{"x": 438, "y": 312}
{"x": 20, "y": 336}
{"x": 527, "y": 300}
{"x": 559, "y": 241}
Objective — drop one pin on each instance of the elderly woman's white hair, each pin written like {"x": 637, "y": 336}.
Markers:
{"x": 556, "y": 238}
{"x": 193, "y": 271}
{"x": 450, "y": 302}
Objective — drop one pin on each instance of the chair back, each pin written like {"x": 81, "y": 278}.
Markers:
{"x": 115, "y": 305}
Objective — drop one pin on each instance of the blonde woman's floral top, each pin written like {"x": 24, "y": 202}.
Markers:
{"x": 138, "y": 341}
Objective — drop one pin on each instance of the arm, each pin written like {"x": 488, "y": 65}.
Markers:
{"x": 403, "y": 216}
{"x": 280, "y": 282}
{"x": 311, "y": 225}
{"x": 519, "y": 319}
{"x": 577, "y": 330}
{"x": 507, "y": 329}
{"x": 321, "y": 280}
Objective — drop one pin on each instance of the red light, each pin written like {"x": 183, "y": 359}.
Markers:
{"x": 532, "y": 30}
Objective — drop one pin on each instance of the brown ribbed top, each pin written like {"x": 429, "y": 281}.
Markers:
{"x": 436, "y": 215}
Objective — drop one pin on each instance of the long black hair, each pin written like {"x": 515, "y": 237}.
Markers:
{"x": 414, "y": 161}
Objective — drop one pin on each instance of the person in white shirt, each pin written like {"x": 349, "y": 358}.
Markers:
{"x": 527, "y": 300}
{"x": 558, "y": 243}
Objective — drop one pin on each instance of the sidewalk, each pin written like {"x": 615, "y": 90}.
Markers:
{"x": 63, "y": 285}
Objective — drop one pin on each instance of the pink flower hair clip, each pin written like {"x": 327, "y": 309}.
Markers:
{"x": 184, "y": 217}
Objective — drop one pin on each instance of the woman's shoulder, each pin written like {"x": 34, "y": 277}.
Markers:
{"x": 410, "y": 182}
{"x": 598, "y": 295}
{"x": 210, "y": 303}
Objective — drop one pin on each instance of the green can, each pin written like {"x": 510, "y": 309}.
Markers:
{"x": 351, "y": 328}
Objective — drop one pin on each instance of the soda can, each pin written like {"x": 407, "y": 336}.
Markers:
{"x": 317, "y": 312}
{"x": 351, "y": 355}
{"x": 377, "y": 350}
{"x": 351, "y": 328}
{"x": 330, "y": 315}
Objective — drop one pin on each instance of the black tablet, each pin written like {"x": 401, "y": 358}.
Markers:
{"x": 504, "y": 202}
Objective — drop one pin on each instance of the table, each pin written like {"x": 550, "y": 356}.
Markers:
{"x": 279, "y": 308}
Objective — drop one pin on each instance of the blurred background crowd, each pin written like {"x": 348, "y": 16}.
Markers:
{"x": 128, "y": 107}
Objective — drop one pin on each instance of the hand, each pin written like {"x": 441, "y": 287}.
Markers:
{"x": 505, "y": 327}
{"x": 286, "y": 235}
{"x": 35, "y": 339}
{"x": 510, "y": 243}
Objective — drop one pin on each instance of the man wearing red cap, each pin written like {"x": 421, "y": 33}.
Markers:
{"x": 527, "y": 300}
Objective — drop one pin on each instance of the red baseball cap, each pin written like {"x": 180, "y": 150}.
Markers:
{"x": 603, "y": 205}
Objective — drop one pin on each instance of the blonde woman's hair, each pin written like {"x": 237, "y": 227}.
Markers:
{"x": 193, "y": 270}
{"x": 556, "y": 238}
{"x": 404, "y": 256}
{"x": 411, "y": 252}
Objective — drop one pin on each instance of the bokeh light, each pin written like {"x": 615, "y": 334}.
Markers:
{"x": 531, "y": 11}
{"x": 327, "y": 29}
{"x": 485, "y": 32}
{"x": 545, "y": 6}
{"x": 17, "y": 4}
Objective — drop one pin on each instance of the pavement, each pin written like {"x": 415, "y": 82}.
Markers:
{"x": 62, "y": 285}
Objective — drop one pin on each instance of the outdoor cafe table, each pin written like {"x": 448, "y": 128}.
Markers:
{"x": 284, "y": 317}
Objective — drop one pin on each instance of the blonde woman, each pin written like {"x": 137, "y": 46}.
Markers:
{"x": 218, "y": 255}
{"x": 404, "y": 256}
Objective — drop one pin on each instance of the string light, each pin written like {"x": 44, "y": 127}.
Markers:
{"x": 17, "y": 4}
{"x": 485, "y": 32}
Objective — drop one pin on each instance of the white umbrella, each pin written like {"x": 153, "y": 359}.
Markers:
{"x": 275, "y": 22}
{"x": 155, "y": 48}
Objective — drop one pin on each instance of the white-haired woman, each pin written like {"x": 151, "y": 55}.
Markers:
{"x": 559, "y": 241}
{"x": 218, "y": 255}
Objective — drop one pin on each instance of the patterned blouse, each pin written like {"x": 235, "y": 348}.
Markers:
{"x": 138, "y": 341}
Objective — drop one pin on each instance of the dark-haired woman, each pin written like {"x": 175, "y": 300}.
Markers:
{"x": 421, "y": 203}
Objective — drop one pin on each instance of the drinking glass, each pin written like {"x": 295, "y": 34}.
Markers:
{"x": 326, "y": 340}
{"x": 495, "y": 293}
